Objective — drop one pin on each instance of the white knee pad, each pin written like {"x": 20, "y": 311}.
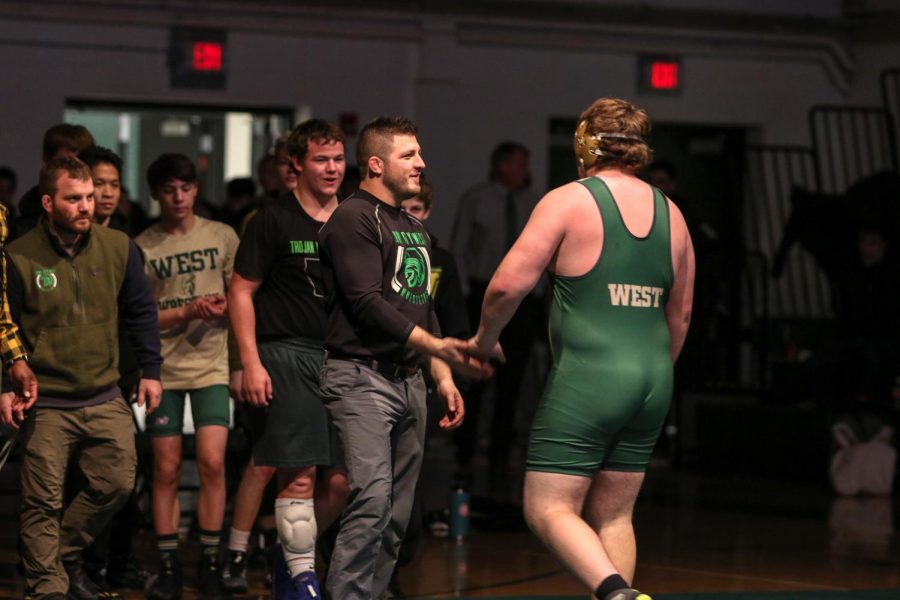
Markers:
{"x": 296, "y": 522}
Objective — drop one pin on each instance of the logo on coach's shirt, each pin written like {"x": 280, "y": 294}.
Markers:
{"x": 412, "y": 274}
{"x": 46, "y": 279}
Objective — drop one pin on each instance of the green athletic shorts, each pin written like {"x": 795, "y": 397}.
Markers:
{"x": 209, "y": 406}
{"x": 297, "y": 432}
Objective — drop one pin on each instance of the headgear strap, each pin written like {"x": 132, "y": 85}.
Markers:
{"x": 587, "y": 147}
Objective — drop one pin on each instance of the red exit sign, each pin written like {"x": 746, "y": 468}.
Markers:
{"x": 207, "y": 56}
{"x": 659, "y": 74}
{"x": 664, "y": 75}
{"x": 198, "y": 58}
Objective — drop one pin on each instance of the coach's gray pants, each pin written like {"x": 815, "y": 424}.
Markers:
{"x": 382, "y": 428}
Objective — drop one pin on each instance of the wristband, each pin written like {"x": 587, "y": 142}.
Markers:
{"x": 10, "y": 363}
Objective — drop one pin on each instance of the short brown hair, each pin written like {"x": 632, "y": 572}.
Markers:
{"x": 316, "y": 130}
{"x": 377, "y": 136}
{"x": 617, "y": 116}
{"x": 69, "y": 165}
{"x": 74, "y": 138}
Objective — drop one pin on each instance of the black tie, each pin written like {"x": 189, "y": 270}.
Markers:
{"x": 512, "y": 222}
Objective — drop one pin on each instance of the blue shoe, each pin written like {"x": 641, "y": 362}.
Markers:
{"x": 304, "y": 586}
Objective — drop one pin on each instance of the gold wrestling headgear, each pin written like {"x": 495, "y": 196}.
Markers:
{"x": 587, "y": 147}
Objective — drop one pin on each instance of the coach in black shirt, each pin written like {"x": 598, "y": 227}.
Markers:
{"x": 376, "y": 262}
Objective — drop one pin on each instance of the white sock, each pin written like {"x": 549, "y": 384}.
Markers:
{"x": 238, "y": 540}
{"x": 297, "y": 562}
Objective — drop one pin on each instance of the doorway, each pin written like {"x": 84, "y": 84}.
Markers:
{"x": 224, "y": 142}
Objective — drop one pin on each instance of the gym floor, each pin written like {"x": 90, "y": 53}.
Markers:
{"x": 699, "y": 536}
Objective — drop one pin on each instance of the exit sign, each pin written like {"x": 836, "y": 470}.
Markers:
{"x": 208, "y": 56}
{"x": 659, "y": 74}
{"x": 197, "y": 58}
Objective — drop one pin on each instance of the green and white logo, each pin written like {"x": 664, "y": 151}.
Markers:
{"x": 412, "y": 274}
{"x": 46, "y": 279}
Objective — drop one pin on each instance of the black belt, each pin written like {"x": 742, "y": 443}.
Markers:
{"x": 386, "y": 368}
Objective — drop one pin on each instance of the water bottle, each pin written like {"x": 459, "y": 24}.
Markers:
{"x": 459, "y": 514}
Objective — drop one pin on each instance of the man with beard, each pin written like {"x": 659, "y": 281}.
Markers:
{"x": 376, "y": 260}
{"x": 69, "y": 286}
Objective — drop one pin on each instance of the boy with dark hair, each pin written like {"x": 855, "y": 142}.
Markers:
{"x": 279, "y": 321}
{"x": 106, "y": 168}
{"x": 189, "y": 262}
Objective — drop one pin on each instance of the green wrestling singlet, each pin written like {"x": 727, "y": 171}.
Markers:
{"x": 610, "y": 386}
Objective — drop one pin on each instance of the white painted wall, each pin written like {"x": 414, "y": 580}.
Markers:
{"x": 467, "y": 90}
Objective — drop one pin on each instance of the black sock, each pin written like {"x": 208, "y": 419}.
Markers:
{"x": 209, "y": 543}
{"x": 609, "y": 585}
{"x": 167, "y": 546}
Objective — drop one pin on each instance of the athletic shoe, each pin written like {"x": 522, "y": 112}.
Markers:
{"x": 627, "y": 594}
{"x": 167, "y": 585}
{"x": 235, "y": 576}
{"x": 82, "y": 587}
{"x": 304, "y": 586}
{"x": 209, "y": 576}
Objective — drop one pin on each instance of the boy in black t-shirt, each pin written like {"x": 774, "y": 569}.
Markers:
{"x": 278, "y": 320}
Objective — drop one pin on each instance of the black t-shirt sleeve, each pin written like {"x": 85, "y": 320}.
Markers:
{"x": 256, "y": 253}
{"x": 353, "y": 242}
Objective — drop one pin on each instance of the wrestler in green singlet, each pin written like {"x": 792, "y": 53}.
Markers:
{"x": 611, "y": 382}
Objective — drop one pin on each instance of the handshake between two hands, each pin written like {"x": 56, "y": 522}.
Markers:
{"x": 470, "y": 358}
